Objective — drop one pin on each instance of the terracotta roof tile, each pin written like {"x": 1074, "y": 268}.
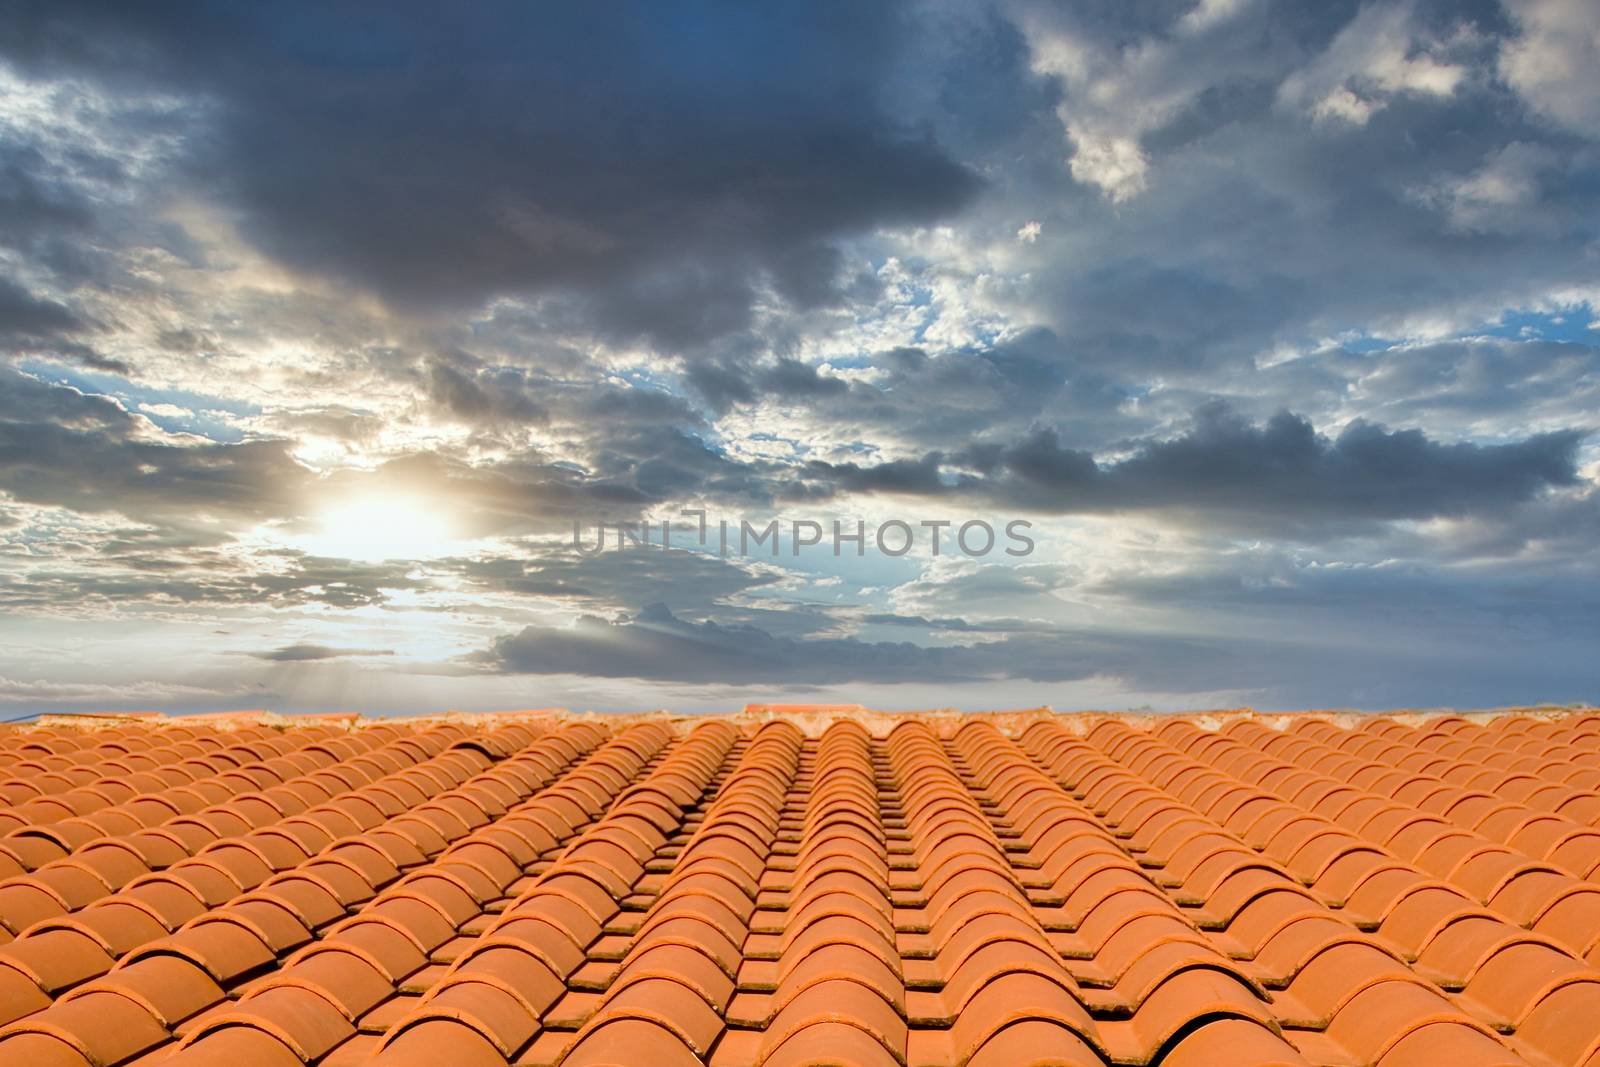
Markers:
{"x": 802, "y": 885}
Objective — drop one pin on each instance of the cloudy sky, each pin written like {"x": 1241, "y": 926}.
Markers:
{"x": 321, "y": 326}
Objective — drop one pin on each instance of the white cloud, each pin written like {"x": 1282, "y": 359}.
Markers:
{"x": 1496, "y": 198}
{"x": 1554, "y": 62}
{"x": 1115, "y": 164}
{"x": 1208, "y": 13}
{"x": 1116, "y": 92}
{"x": 1382, "y": 53}
{"x": 169, "y": 411}
{"x": 1113, "y": 96}
{"x": 1342, "y": 104}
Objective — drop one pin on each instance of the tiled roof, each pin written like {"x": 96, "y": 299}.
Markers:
{"x": 801, "y": 886}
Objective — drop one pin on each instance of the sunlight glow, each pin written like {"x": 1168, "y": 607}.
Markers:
{"x": 374, "y": 528}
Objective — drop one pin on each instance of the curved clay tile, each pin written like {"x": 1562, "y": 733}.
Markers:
{"x": 116, "y": 927}
{"x": 311, "y": 900}
{"x": 225, "y": 951}
{"x": 102, "y": 1026}
{"x": 20, "y": 995}
{"x": 57, "y": 959}
{"x": 230, "y": 1046}
{"x": 43, "y": 1050}
{"x": 698, "y": 912}
{"x": 995, "y": 891}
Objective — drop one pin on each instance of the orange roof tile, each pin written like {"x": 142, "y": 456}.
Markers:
{"x": 802, "y": 885}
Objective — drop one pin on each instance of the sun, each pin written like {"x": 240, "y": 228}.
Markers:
{"x": 372, "y": 528}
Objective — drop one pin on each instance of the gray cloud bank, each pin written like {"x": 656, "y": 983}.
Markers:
{"x": 648, "y": 158}
{"x": 1282, "y": 473}
{"x": 1288, "y": 670}
{"x": 311, "y": 653}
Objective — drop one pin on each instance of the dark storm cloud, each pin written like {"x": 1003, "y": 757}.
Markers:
{"x": 696, "y": 582}
{"x": 632, "y": 446}
{"x": 65, "y": 447}
{"x": 38, "y": 326}
{"x": 45, "y": 214}
{"x": 309, "y": 653}
{"x": 31, "y": 207}
{"x": 1286, "y": 468}
{"x": 501, "y": 398}
{"x": 1282, "y": 473}
{"x": 654, "y": 159}
{"x": 919, "y": 398}
{"x": 22, "y": 314}
{"x": 909, "y": 476}
{"x": 791, "y": 379}
{"x": 484, "y": 395}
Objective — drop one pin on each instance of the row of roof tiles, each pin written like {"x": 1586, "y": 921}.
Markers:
{"x": 978, "y": 891}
